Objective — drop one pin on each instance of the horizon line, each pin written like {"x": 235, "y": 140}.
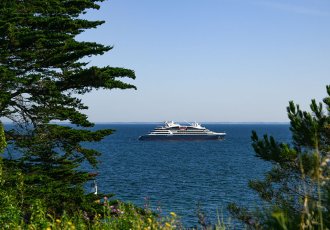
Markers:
{"x": 158, "y": 122}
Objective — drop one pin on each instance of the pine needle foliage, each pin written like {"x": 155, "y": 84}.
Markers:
{"x": 297, "y": 189}
{"x": 43, "y": 67}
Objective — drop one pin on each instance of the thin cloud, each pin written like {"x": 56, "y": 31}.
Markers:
{"x": 297, "y": 9}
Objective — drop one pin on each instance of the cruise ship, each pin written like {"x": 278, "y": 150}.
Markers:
{"x": 175, "y": 131}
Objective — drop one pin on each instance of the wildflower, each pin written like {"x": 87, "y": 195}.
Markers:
{"x": 167, "y": 224}
{"x": 85, "y": 215}
{"x": 58, "y": 221}
{"x": 252, "y": 222}
{"x": 69, "y": 223}
{"x": 48, "y": 228}
{"x": 173, "y": 214}
{"x": 324, "y": 163}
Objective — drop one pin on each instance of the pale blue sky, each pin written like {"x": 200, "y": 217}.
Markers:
{"x": 212, "y": 60}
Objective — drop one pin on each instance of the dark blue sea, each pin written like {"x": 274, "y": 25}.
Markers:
{"x": 182, "y": 176}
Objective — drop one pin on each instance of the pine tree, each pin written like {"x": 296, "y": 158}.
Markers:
{"x": 297, "y": 189}
{"x": 42, "y": 70}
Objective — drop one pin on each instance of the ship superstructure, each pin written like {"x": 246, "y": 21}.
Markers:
{"x": 175, "y": 131}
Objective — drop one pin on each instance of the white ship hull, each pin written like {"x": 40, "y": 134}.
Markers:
{"x": 173, "y": 131}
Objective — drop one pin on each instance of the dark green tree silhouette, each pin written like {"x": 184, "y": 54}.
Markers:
{"x": 297, "y": 189}
{"x": 42, "y": 70}
{"x": 3, "y": 142}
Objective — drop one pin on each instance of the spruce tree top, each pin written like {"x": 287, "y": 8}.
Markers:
{"x": 41, "y": 62}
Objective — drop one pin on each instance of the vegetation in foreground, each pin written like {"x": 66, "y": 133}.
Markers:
{"x": 114, "y": 215}
{"x": 296, "y": 191}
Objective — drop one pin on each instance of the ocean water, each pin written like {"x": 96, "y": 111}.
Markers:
{"x": 182, "y": 176}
